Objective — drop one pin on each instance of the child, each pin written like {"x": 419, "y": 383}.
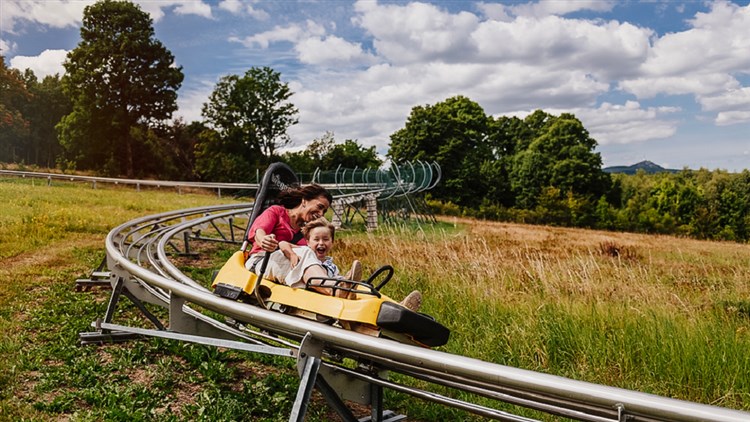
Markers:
{"x": 319, "y": 234}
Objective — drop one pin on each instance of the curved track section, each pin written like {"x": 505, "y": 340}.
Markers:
{"x": 139, "y": 267}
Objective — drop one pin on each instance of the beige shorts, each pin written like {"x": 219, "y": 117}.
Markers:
{"x": 280, "y": 269}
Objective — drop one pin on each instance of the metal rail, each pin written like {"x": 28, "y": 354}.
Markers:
{"x": 138, "y": 262}
{"x": 405, "y": 179}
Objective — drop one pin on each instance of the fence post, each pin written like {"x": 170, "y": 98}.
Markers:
{"x": 338, "y": 211}
{"x": 372, "y": 212}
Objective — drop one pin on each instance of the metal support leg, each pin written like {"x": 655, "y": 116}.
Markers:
{"x": 103, "y": 335}
{"x": 376, "y": 399}
{"x": 306, "y": 385}
{"x": 333, "y": 400}
{"x": 137, "y": 302}
{"x": 186, "y": 239}
{"x": 114, "y": 299}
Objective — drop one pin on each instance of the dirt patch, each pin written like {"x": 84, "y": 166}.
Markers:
{"x": 203, "y": 255}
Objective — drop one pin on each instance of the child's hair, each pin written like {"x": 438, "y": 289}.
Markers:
{"x": 318, "y": 222}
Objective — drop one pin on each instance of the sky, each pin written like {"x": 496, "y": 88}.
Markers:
{"x": 659, "y": 80}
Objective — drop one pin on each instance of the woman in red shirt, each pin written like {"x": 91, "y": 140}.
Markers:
{"x": 280, "y": 227}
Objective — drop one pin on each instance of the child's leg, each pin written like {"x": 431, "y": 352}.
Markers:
{"x": 355, "y": 273}
{"x": 324, "y": 286}
{"x": 309, "y": 267}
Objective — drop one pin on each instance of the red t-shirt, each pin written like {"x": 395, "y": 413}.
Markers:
{"x": 274, "y": 220}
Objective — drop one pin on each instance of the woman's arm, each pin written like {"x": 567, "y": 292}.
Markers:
{"x": 267, "y": 242}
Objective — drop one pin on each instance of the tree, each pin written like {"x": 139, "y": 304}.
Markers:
{"x": 453, "y": 133}
{"x": 179, "y": 143}
{"x": 325, "y": 153}
{"x": 252, "y": 112}
{"x": 350, "y": 154}
{"x": 559, "y": 156}
{"x": 47, "y": 107}
{"x": 120, "y": 77}
{"x": 217, "y": 159}
{"x": 14, "y": 127}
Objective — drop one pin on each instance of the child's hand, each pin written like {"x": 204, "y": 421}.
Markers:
{"x": 294, "y": 260}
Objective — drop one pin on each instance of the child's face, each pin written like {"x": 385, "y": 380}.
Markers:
{"x": 321, "y": 241}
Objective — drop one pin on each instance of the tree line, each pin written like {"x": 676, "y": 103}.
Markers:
{"x": 111, "y": 113}
{"x": 542, "y": 169}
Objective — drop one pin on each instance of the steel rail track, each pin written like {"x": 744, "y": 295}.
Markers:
{"x": 384, "y": 183}
{"x": 139, "y": 263}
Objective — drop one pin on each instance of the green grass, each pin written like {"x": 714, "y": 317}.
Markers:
{"x": 49, "y": 237}
{"x": 668, "y": 316}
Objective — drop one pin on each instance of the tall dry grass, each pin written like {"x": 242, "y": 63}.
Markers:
{"x": 519, "y": 263}
{"x": 660, "y": 314}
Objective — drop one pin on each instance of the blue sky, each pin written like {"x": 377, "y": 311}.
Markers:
{"x": 665, "y": 81}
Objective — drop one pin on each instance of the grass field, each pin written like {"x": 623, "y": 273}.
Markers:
{"x": 657, "y": 314}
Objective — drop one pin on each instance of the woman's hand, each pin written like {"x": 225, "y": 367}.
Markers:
{"x": 268, "y": 243}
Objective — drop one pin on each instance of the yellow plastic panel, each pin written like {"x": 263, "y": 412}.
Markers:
{"x": 364, "y": 309}
{"x": 234, "y": 273}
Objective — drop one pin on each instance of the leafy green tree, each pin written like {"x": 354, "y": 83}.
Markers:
{"x": 252, "y": 112}
{"x": 217, "y": 159}
{"x": 326, "y": 154}
{"x": 180, "y": 140}
{"x": 453, "y": 133}
{"x": 350, "y": 154}
{"x": 47, "y": 107}
{"x": 560, "y": 156}
{"x": 311, "y": 158}
{"x": 122, "y": 81}
{"x": 14, "y": 127}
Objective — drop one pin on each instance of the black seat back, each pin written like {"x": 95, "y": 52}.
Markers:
{"x": 277, "y": 178}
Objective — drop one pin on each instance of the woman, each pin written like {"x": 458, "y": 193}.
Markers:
{"x": 280, "y": 227}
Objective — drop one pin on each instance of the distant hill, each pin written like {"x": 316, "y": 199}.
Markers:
{"x": 646, "y": 166}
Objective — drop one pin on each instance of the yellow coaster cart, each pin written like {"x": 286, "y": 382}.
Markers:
{"x": 371, "y": 313}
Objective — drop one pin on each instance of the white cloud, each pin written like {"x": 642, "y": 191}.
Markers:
{"x": 494, "y": 11}
{"x": 608, "y": 49}
{"x": 57, "y": 14}
{"x": 428, "y": 55}
{"x": 232, "y": 6}
{"x": 700, "y": 60}
{"x": 559, "y": 7}
{"x": 193, "y": 7}
{"x": 728, "y": 100}
{"x": 258, "y": 14}
{"x": 65, "y": 13}
{"x": 416, "y": 32}
{"x": 613, "y": 124}
{"x": 725, "y": 118}
{"x": 49, "y": 62}
{"x": 332, "y": 51}
{"x": 627, "y": 123}
{"x": 193, "y": 95}
{"x": 237, "y": 7}
{"x": 690, "y": 84}
{"x": 181, "y": 7}
{"x": 6, "y": 47}
{"x": 290, "y": 33}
